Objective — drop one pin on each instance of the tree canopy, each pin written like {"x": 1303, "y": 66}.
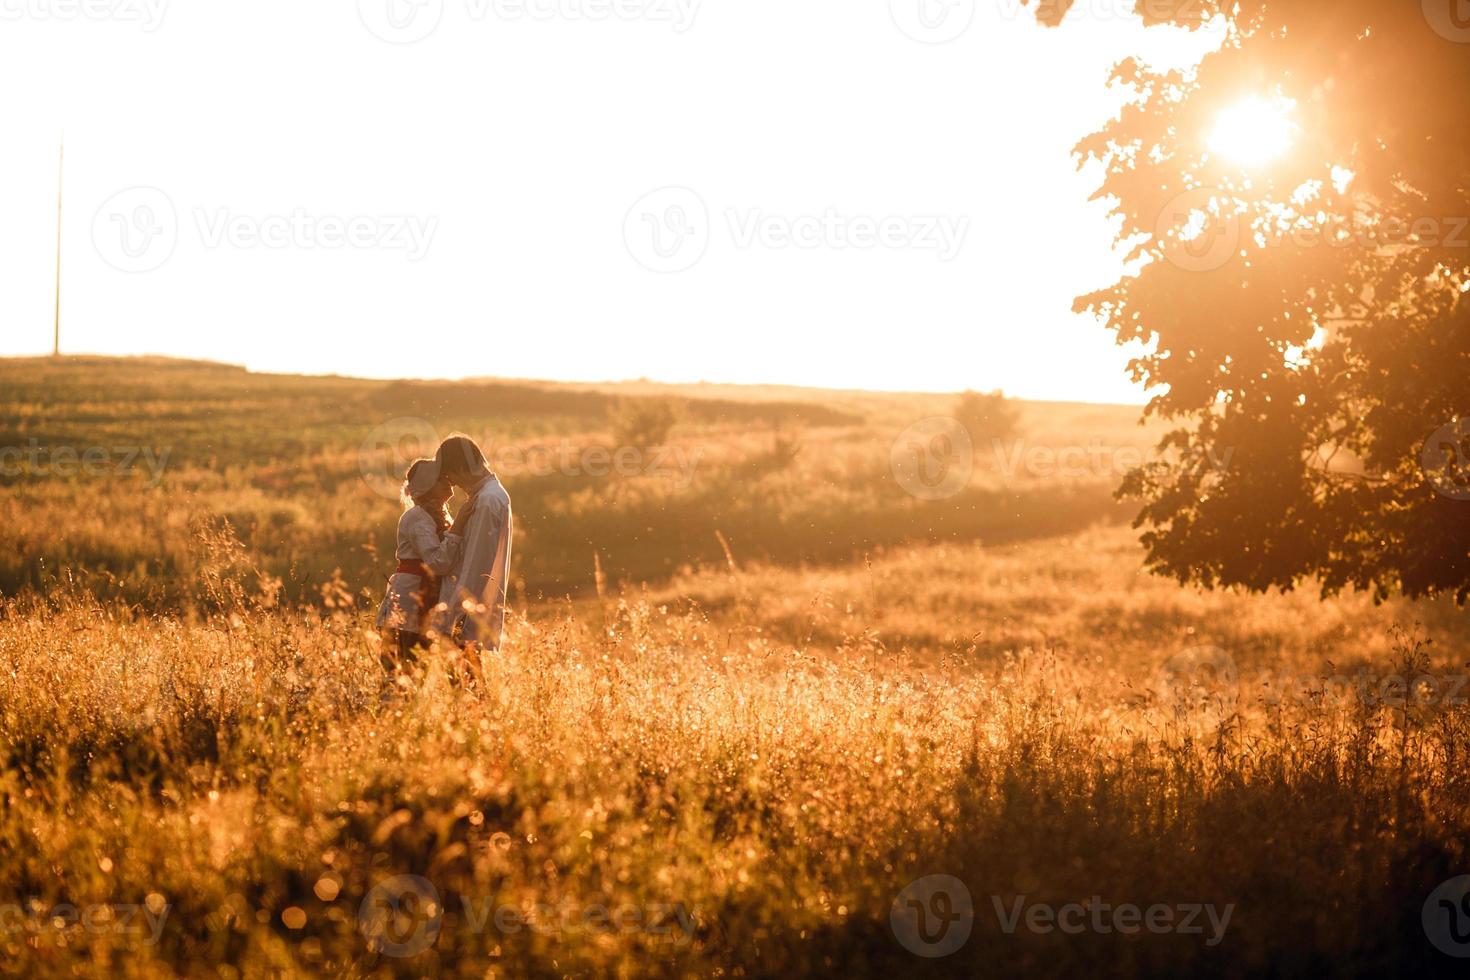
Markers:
{"x": 1303, "y": 314}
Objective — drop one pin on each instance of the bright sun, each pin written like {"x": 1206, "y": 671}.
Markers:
{"x": 1254, "y": 131}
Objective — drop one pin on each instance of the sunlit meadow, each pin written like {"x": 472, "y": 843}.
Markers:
{"x": 737, "y": 713}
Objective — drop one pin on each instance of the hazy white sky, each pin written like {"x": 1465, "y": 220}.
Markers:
{"x": 794, "y": 191}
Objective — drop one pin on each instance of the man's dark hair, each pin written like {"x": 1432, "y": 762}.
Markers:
{"x": 460, "y": 456}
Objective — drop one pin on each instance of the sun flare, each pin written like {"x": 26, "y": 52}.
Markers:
{"x": 1254, "y": 131}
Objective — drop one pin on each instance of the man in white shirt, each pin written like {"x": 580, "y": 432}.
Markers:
{"x": 472, "y": 597}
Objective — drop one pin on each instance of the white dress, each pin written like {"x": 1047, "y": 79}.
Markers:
{"x": 418, "y": 540}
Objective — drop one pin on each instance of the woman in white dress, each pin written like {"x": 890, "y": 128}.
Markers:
{"x": 427, "y": 549}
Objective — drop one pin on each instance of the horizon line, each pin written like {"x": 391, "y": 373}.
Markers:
{"x": 494, "y": 379}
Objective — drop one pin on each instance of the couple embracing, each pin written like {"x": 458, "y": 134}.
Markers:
{"x": 451, "y": 576}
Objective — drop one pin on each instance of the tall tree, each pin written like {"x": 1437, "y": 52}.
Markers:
{"x": 1296, "y": 218}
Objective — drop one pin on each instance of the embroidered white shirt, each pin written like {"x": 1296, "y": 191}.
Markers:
{"x": 480, "y": 578}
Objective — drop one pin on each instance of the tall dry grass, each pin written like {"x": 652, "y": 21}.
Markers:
{"x": 758, "y": 803}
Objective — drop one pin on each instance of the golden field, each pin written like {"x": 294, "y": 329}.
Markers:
{"x": 741, "y": 707}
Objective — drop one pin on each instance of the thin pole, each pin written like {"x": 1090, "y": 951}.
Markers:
{"x": 60, "y": 172}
